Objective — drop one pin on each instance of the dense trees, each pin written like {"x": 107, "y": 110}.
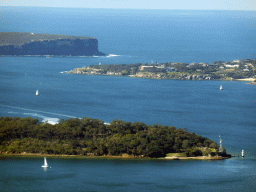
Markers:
{"x": 91, "y": 136}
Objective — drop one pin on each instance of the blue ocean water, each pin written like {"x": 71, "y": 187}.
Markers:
{"x": 26, "y": 174}
{"x": 133, "y": 36}
{"x": 158, "y": 35}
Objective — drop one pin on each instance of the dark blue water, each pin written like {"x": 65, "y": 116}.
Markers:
{"x": 134, "y": 36}
{"x": 198, "y": 106}
{"x": 24, "y": 174}
{"x": 158, "y": 35}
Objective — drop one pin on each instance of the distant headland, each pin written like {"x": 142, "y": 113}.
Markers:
{"x": 243, "y": 69}
{"x": 16, "y": 43}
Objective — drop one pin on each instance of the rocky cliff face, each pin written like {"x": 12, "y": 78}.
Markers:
{"x": 74, "y": 46}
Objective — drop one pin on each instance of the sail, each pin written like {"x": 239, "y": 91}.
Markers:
{"x": 37, "y": 92}
{"x": 45, "y": 162}
{"x": 45, "y": 165}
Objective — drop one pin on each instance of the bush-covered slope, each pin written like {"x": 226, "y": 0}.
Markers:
{"x": 92, "y": 137}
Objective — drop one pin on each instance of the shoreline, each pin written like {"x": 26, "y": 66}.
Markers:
{"x": 246, "y": 79}
{"x": 249, "y": 80}
{"x": 71, "y": 156}
{"x": 237, "y": 70}
{"x": 123, "y": 157}
{"x": 186, "y": 77}
{"x": 197, "y": 158}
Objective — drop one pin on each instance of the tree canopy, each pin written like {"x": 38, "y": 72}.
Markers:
{"x": 88, "y": 136}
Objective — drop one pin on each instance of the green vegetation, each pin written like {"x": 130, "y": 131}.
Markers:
{"x": 92, "y": 137}
{"x": 200, "y": 151}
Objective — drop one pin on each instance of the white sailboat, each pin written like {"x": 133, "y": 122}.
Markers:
{"x": 37, "y": 93}
{"x": 221, "y": 88}
{"x": 242, "y": 153}
{"x": 45, "y": 163}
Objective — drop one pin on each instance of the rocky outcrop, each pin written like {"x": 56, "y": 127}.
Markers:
{"x": 50, "y": 45}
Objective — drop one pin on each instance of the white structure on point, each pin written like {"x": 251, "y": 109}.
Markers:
{"x": 221, "y": 149}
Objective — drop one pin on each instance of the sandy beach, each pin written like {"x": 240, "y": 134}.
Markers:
{"x": 196, "y": 158}
{"x": 246, "y": 79}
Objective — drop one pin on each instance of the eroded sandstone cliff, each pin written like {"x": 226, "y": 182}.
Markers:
{"x": 47, "y": 44}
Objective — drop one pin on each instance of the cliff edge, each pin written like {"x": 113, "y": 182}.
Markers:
{"x": 15, "y": 43}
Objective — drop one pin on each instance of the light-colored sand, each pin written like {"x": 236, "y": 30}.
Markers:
{"x": 196, "y": 158}
{"x": 246, "y": 79}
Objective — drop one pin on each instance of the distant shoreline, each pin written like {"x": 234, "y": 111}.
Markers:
{"x": 249, "y": 80}
{"x": 24, "y": 43}
{"x": 237, "y": 70}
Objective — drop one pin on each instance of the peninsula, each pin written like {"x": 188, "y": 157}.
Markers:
{"x": 16, "y": 43}
{"x": 93, "y": 138}
{"x": 243, "y": 69}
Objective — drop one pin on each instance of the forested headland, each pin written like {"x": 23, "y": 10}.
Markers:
{"x": 88, "y": 136}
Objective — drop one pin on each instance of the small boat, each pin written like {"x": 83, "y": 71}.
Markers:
{"x": 45, "y": 163}
{"x": 242, "y": 154}
{"x": 221, "y": 88}
{"x": 37, "y": 93}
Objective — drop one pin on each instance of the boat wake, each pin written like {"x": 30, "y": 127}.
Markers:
{"x": 112, "y": 55}
{"x": 46, "y": 119}
{"x": 63, "y": 71}
{"x": 39, "y": 114}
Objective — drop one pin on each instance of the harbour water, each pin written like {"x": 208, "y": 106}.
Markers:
{"x": 26, "y": 174}
{"x": 146, "y": 36}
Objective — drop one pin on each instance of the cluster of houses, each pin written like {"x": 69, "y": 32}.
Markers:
{"x": 243, "y": 64}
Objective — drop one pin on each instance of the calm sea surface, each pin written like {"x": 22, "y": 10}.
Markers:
{"x": 26, "y": 174}
{"x": 134, "y": 36}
